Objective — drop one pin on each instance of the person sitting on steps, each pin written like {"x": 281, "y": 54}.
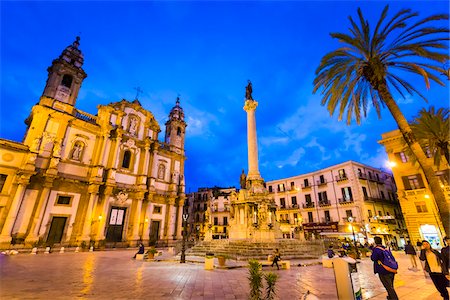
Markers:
{"x": 141, "y": 250}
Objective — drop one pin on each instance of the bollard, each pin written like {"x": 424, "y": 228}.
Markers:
{"x": 61, "y": 250}
{"x": 91, "y": 249}
{"x": 77, "y": 249}
{"x": 47, "y": 250}
{"x": 34, "y": 251}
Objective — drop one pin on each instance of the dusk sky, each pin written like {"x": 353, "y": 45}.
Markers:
{"x": 205, "y": 52}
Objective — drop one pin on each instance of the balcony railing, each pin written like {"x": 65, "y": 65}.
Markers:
{"x": 85, "y": 116}
{"x": 306, "y": 186}
{"x": 293, "y": 206}
{"x": 345, "y": 200}
{"x": 308, "y": 205}
{"x": 375, "y": 199}
{"x": 319, "y": 182}
{"x": 341, "y": 177}
{"x": 324, "y": 203}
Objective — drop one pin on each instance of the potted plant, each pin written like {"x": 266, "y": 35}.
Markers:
{"x": 151, "y": 253}
{"x": 221, "y": 258}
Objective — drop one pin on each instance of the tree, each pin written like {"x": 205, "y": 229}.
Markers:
{"x": 431, "y": 129}
{"x": 366, "y": 69}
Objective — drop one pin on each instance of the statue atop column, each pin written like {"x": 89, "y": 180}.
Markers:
{"x": 248, "y": 91}
{"x": 243, "y": 180}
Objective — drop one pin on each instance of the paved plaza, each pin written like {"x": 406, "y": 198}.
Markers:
{"x": 114, "y": 275}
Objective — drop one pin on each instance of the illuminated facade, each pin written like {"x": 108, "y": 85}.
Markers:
{"x": 417, "y": 202}
{"x": 79, "y": 178}
{"x": 330, "y": 202}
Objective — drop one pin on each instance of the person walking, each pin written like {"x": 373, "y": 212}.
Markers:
{"x": 434, "y": 265}
{"x": 411, "y": 252}
{"x": 276, "y": 258}
{"x": 381, "y": 257}
{"x": 446, "y": 252}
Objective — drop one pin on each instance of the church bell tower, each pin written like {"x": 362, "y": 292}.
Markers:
{"x": 65, "y": 76}
{"x": 176, "y": 127}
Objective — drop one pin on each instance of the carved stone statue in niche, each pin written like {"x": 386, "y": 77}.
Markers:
{"x": 77, "y": 150}
{"x": 161, "y": 171}
{"x": 133, "y": 125}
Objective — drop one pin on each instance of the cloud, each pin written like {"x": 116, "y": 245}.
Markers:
{"x": 292, "y": 160}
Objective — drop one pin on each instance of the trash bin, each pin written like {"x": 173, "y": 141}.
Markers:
{"x": 347, "y": 281}
{"x": 209, "y": 261}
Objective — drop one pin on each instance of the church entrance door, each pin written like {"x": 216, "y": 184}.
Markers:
{"x": 56, "y": 230}
{"x": 115, "y": 225}
{"x": 154, "y": 233}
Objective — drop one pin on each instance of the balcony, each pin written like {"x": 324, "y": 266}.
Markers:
{"x": 293, "y": 206}
{"x": 375, "y": 199}
{"x": 306, "y": 186}
{"x": 308, "y": 205}
{"x": 341, "y": 177}
{"x": 319, "y": 183}
{"x": 362, "y": 176}
{"x": 324, "y": 203}
{"x": 345, "y": 219}
{"x": 345, "y": 201}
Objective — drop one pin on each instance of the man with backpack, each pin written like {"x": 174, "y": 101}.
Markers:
{"x": 385, "y": 265}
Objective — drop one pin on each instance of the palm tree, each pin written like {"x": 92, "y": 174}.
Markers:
{"x": 364, "y": 71}
{"x": 431, "y": 129}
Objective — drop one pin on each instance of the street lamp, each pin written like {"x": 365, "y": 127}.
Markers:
{"x": 183, "y": 244}
{"x": 350, "y": 219}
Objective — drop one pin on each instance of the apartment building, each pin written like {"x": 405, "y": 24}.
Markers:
{"x": 348, "y": 200}
{"x": 416, "y": 199}
{"x": 210, "y": 212}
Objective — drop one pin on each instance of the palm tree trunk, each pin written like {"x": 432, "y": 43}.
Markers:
{"x": 422, "y": 159}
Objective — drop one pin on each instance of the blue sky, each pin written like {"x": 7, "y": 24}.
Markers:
{"x": 205, "y": 51}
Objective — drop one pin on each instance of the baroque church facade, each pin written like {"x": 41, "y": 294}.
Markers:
{"x": 81, "y": 179}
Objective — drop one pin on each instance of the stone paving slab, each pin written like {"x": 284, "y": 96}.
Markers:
{"x": 114, "y": 275}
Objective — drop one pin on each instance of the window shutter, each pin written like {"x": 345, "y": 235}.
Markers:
{"x": 419, "y": 178}
{"x": 406, "y": 183}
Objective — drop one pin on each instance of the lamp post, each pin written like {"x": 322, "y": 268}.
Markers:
{"x": 350, "y": 219}
{"x": 183, "y": 244}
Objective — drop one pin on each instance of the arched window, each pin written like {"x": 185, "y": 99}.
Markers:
{"x": 126, "y": 159}
{"x": 67, "y": 80}
{"x": 178, "y": 131}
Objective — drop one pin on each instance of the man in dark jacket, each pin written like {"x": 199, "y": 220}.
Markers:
{"x": 446, "y": 252}
{"x": 434, "y": 265}
{"x": 411, "y": 252}
{"x": 386, "y": 277}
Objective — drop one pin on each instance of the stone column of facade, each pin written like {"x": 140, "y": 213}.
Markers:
{"x": 137, "y": 220}
{"x": 253, "y": 170}
{"x": 178, "y": 221}
{"x": 104, "y": 159}
{"x": 5, "y": 236}
{"x": 33, "y": 235}
{"x": 93, "y": 196}
{"x": 146, "y": 229}
{"x": 115, "y": 161}
{"x": 103, "y": 210}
